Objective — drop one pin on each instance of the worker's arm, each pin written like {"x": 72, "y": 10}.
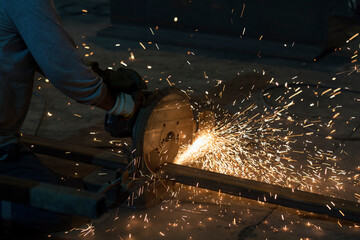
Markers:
{"x": 54, "y": 51}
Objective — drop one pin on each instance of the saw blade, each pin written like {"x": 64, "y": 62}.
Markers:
{"x": 163, "y": 125}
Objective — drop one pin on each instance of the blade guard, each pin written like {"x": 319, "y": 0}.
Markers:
{"x": 162, "y": 126}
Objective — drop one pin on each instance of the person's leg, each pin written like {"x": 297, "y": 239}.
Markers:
{"x": 22, "y": 163}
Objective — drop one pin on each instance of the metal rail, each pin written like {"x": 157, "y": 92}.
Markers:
{"x": 287, "y": 197}
{"x": 74, "y": 152}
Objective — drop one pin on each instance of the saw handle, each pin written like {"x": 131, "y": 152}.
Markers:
{"x": 121, "y": 127}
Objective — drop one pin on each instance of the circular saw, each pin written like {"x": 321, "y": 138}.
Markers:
{"x": 161, "y": 125}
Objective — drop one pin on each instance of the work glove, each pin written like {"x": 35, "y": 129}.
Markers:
{"x": 122, "y": 80}
{"x": 128, "y": 86}
{"x": 121, "y": 119}
{"x": 125, "y": 106}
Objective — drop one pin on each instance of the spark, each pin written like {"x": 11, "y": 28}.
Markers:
{"x": 354, "y": 36}
{"x": 132, "y": 57}
{"x": 167, "y": 79}
{"x": 152, "y": 32}
{"x": 295, "y": 94}
{"x": 357, "y": 195}
{"x": 142, "y": 45}
{"x": 88, "y": 230}
{"x": 242, "y": 12}
{"x": 246, "y": 146}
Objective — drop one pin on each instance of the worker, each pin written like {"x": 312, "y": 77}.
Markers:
{"x": 33, "y": 39}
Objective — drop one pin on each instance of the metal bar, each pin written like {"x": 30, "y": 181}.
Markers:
{"x": 52, "y": 197}
{"x": 287, "y": 197}
{"x": 73, "y": 152}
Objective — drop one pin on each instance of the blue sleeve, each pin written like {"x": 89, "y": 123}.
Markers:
{"x": 54, "y": 50}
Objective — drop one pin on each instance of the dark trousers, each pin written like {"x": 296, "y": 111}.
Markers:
{"x": 22, "y": 163}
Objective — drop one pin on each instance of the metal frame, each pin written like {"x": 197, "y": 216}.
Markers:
{"x": 52, "y": 197}
{"x": 74, "y": 152}
{"x": 49, "y": 196}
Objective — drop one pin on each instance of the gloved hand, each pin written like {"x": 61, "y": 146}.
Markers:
{"x": 128, "y": 85}
{"x": 124, "y": 106}
{"x": 123, "y": 80}
{"x": 119, "y": 122}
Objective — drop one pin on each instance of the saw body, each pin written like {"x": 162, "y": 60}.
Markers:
{"x": 163, "y": 123}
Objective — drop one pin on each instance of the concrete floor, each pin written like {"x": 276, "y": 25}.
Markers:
{"x": 200, "y": 214}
